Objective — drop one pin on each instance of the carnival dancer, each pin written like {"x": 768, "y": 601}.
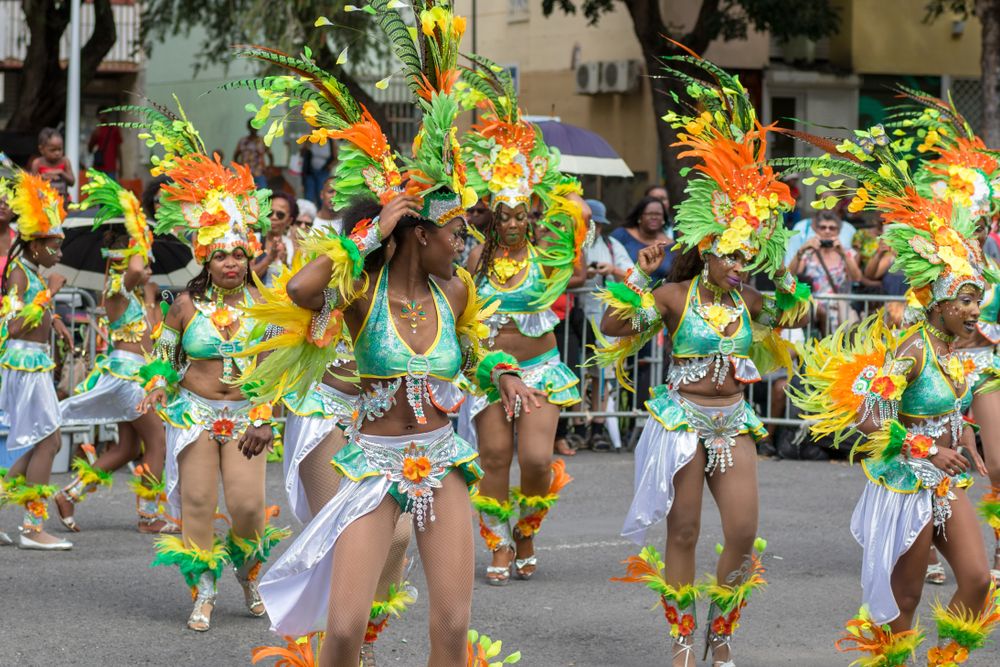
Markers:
{"x": 724, "y": 336}
{"x": 962, "y": 170}
{"x": 525, "y": 267}
{"x": 416, "y": 327}
{"x": 905, "y": 394}
{"x": 211, "y": 428}
{"x": 27, "y": 392}
{"x": 111, "y": 394}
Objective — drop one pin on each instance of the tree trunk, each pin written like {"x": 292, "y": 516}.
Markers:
{"x": 42, "y": 98}
{"x": 647, "y": 21}
{"x": 988, "y": 12}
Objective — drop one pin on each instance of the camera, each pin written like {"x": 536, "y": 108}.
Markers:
{"x": 826, "y": 243}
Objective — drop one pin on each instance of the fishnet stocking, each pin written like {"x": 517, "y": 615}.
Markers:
{"x": 319, "y": 479}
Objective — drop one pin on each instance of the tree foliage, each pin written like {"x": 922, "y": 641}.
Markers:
{"x": 41, "y": 98}
{"x": 288, "y": 26}
{"x": 716, "y": 19}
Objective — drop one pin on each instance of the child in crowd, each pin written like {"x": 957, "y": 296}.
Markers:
{"x": 52, "y": 164}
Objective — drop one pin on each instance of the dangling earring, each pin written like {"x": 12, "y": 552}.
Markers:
{"x": 704, "y": 274}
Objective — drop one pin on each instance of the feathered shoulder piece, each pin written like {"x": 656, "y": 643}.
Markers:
{"x": 302, "y": 344}
{"x": 850, "y": 377}
{"x": 955, "y": 164}
{"x": 507, "y": 158}
{"x": 932, "y": 238}
{"x": 39, "y": 208}
{"x": 367, "y": 164}
{"x": 117, "y": 202}
{"x": 209, "y": 205}
{"x": 735, "y": 200}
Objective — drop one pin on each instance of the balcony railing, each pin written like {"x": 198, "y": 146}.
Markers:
{"x": 125, "y": 55}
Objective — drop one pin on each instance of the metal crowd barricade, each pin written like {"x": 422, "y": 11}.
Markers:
{"x": 80, "y": 313}
{"x": 655, "y": 360}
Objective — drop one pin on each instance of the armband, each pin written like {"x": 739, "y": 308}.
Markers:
{"x": 321, "y": 320}
{"x": 491, "y": 368}
{"x": 792, "y": 299}
{"x": 637, "y": 280}
{"x": 917, "y": 446}
{"x": 367, "y": 235}
{"x": 628, "y": 301}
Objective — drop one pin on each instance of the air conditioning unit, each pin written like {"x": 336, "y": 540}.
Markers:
{"x": 620, "y": 76}
{"x": 588, "y": 79}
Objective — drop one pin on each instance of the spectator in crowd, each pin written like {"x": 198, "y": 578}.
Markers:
{"x": 278, "y": 247}
{"x": 606, "y": 259}
{"x": 880, "y": 268}
{"x": 52, "y": 164}
{"x": 660, "y": 192}
{"x": 806, "y": 229}
{"x": 252, "y": 152}
{"x": 829, "y": 266}
{"x": 644, "y": 227}
{"x": 103, "y": 145}
{"x": 316, "y": 164}
{"x": 991, "y": 246}
{"x": 478, "y": 217}
{"x": 327, "y": 219}
{"x": 302, "y": 224}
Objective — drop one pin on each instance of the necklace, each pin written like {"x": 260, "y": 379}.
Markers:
{"x": 222, "y": 315}
{"x": 506, "y": 267}
{"x": 413, "y": 313}
{"x": 940, "y": 335}
{"x": 718, "y": 315}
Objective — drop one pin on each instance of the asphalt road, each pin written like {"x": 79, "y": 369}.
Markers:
{"x": 101, "y": 605}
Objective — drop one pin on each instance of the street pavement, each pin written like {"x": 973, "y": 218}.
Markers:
{"x": 101, "y": 604}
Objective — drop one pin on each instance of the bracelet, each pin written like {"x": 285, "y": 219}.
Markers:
{"x": 260, "y": 415}
{"x": 154, "y": 383}
{"x": 636, "y": 280}
{"x": 367, "y": 235}
{"x": 503, "y": 369}
{"x": 321, "y": 319}
{"x": 918, "y": 446}
{"x": 643, "y": 318}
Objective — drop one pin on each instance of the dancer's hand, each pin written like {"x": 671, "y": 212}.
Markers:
{"x": 977, "y": 460}
{"x": 63, "y": 332}
{"x": 517, "y": 397}
{"x": 255, "y": 440}
{"x": 950, "y": 461}
{"x": 651, "y": 257}
{"x": 154, "y": 399}
{"x": 395, "y": 210}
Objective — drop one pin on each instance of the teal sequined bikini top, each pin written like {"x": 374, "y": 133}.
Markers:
{"x": 381, "y": 352}
{"x": 989, "y": 309}
{"x": 35, "y": 283}
{"x": 201, "y": 338}
{"x": 932, "y": 394}
{"x": 695, "y": 337}
{"x": 519, "y": 297}
{"x": 132, "y": 324}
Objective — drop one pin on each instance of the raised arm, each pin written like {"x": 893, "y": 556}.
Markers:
{"x": 134, "y": 271}
{"x": 634, "y": 305}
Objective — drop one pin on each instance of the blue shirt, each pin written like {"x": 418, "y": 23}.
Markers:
{"x": 633, "y": 246}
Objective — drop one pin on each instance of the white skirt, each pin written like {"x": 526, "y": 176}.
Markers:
{"x": 659, "y": 455}
{"x": 30, "y": 401}
{"x": 113, "y": 399}
{"x": 885, "y": 523}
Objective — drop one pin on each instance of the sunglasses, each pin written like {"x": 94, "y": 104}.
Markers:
{"x": 826, "y": 229}
{"x": 303, "y": 223}
{"x": 280, "y": 215}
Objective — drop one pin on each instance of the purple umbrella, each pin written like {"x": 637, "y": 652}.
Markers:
{"x": 583, "y": 151}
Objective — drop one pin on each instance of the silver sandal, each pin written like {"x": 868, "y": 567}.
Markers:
{"x": 199, "y": 621}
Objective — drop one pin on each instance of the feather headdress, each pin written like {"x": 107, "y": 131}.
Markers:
{"x": 956, "y": 163}
{"x": 39, "y": 208}
{"x": 507, "y": 158}
{"x": 932, "y": 238}
{"x": 735, "y": 200}
{"x": 117, "y": 202}
{"x": 210, "y": 205}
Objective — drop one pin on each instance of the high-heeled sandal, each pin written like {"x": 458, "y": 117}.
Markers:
{"x": 497, "y": 575}
{"x": 521, "y": 563}
{"x": 713, "y": 642}
{"x": 251, "y": 595}
{"x": 684, "y": 647}
{"x": 935, "y": 574}
{"x": 199, "y": 620}
{"x": 65, "y": 517}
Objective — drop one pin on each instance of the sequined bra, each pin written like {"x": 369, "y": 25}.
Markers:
{"x": 203, "y": 340}
{"x": 932, "y": 394}
{"x": 989, "y": 312}
{"x": 132, "y": 324}
{"x": 517, "y": 302}
{"x": 695, "y": 337}
{"x": 381, "y": 352}
{"x": 35, "y": 283}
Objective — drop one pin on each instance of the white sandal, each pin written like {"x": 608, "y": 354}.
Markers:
{"x": 935, "y": 574}
{"x": 684, "y": 647}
